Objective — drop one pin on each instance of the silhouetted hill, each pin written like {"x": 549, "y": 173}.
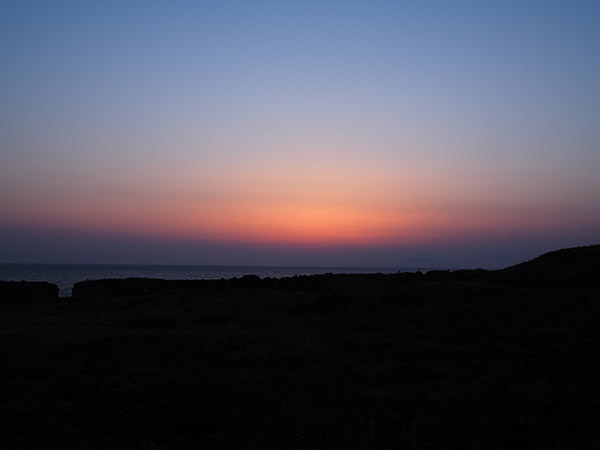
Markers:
{"x": 566, "y": 267}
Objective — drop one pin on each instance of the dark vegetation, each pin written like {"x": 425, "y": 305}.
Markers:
{"x": 445, "y": 360}
{"x": 27, "y": 291}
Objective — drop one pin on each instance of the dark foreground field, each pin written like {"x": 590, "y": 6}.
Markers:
{"x": 462, "y": 360}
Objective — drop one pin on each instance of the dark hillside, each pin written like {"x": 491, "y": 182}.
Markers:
{"x": 566, "y": 267}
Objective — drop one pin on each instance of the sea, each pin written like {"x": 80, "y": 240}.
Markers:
{"x": 66, "y": 275}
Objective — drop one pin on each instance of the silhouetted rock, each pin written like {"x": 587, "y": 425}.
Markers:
{"x": 26, "y": 291}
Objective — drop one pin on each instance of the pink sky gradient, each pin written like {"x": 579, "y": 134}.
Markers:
{"x": 395, "y": 130}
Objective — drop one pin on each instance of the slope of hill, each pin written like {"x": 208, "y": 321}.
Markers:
{"x": 566, "y": 267}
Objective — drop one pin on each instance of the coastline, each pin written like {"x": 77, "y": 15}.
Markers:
{"x": 66, "y": 275}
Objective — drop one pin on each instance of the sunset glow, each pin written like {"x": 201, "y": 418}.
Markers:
{"x": 446, "y": 131}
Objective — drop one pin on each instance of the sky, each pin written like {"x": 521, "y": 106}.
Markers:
{"x": 325, "y": 133}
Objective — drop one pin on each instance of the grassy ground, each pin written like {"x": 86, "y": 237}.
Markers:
{"x": 373, "y": 365}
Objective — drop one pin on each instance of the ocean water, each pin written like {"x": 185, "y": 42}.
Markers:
{"x": 66, "y": 275}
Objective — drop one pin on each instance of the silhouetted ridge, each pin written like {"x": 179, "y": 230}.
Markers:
{"x": 566, "y": 267}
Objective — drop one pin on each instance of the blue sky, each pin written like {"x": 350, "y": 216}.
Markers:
{"x": 376, "y": 130}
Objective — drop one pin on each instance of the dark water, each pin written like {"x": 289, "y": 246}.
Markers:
{"x": 66, "y": 275}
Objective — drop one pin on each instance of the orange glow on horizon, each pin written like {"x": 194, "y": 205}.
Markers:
{"x": 280, "y": 203}
{"x": 294, "y": 223}
{"x": 290, "y": 218}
